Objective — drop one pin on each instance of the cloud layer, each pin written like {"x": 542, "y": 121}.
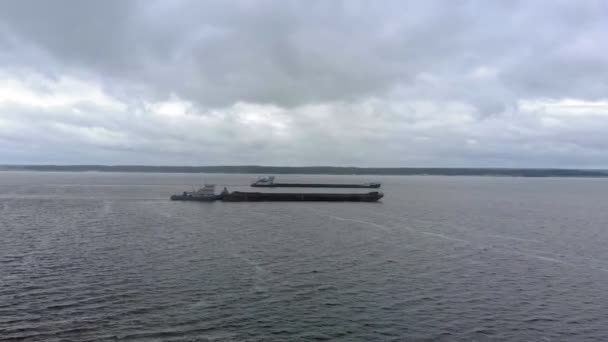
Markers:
{"x": 390, "y": 83}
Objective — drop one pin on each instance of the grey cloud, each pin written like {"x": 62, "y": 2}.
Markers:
{"x": 389, "y": 76}
{"x": 292, "y": 52}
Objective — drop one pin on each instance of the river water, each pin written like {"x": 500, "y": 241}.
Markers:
{"x": 106, "y": 256}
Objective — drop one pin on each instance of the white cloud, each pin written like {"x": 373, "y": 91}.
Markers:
{"x": 484, "y": 73}
{"x": 39, "y": 92}
{"x": 566, "y": 107}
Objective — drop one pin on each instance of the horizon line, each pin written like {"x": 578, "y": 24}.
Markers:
{"x": 306, "y": 166}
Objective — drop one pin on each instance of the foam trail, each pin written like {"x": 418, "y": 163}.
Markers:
{"x": 165, "y": 214}
{"x": 362, "y": 222}
{"x": 444, "y": 237}
{"x": 261, "y": 274}
{"x": 106, "y": 208}
{"x": 512, "y": 238}
{"x": 405, "y": 227}
{"x": 544, "y": 258}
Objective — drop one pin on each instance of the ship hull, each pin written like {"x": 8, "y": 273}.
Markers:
{"x": 309, "y": 185}
{"x": 238, "y": 196}
{"x": 195, "y": 198}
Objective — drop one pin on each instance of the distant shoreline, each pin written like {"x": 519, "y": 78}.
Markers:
{"x": 316, "y": 170}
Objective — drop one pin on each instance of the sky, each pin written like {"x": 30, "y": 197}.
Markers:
{"x": 341, "y": 83}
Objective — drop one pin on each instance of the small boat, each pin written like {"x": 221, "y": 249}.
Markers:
{"x": 268, "y": 182}
{"x": 204, "y": 194}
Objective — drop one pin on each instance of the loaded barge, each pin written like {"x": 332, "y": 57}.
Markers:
{"x": 237, "y": 196}
{"x": 207, "y": 194}
{"x": 268, "y": 182}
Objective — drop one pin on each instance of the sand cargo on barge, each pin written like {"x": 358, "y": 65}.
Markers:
{"x": 268, "y": 182}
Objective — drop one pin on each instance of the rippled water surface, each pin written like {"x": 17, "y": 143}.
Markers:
{"x": 106, "y": 256}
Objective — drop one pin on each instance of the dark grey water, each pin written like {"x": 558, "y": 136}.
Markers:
{"x": 93, "y": 256}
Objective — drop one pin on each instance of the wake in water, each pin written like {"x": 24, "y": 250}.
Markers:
{"x": 512, "y": 238}
{"x": 261, "y": 275}
{"x": 381, "y": 227}
{"x": 387, "y": 229}
{"x": 486, "y": 247}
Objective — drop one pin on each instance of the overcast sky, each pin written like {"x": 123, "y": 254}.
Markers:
{"x": 352, "y": 83}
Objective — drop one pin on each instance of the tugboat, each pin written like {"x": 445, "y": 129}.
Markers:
{"x": 268, "y": 182}
{"x": 204, "y": 194}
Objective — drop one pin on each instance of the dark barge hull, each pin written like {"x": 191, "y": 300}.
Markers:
{"x": 296, "y": 185}
{"x": 237, "y": 196}
{"x": 195, "y": 198}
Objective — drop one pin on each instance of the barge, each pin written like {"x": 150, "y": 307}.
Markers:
{"x": 268, "y": 182}
{"x": 207, "y": 194}
{"x": 238, "y": 196}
